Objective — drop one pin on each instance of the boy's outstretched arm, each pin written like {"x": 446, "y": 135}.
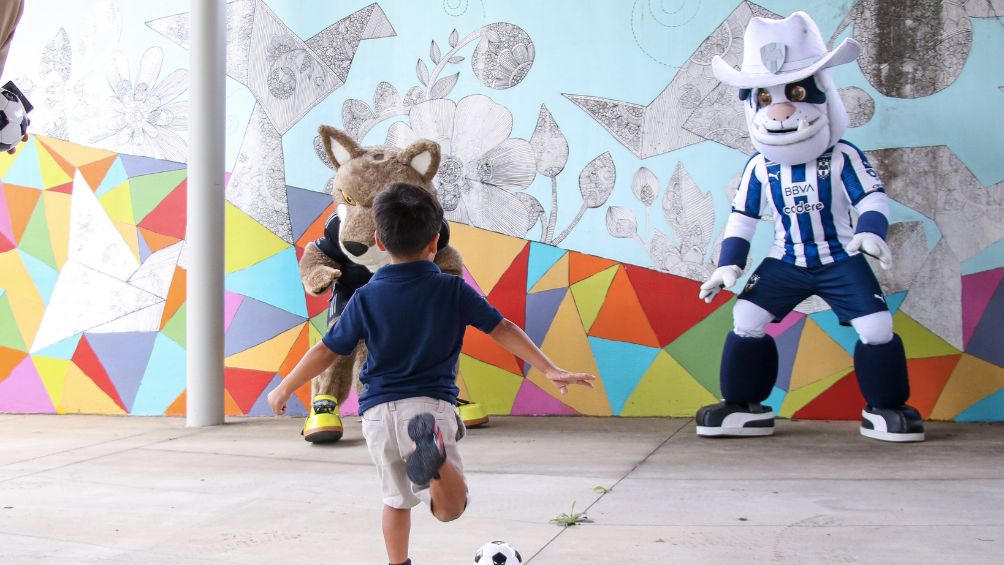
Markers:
{"x": 515, "y": 340}
{"x": 317, "y": 359}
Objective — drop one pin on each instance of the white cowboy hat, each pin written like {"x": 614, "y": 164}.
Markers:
{"x": 782, "y": 51}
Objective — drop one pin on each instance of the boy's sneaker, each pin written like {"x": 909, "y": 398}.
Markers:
{"x": 430, "y": 453}
{"x": 735, "y": 419}
{"x": 892, "y": 424}
{"x": 323, "y": 424}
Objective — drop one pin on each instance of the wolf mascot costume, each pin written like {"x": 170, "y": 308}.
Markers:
{"x": 810, "y": 179}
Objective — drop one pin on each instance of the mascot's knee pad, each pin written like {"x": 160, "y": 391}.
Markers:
{"x": 749, "y": 368}
{"x": 882, "y": 373}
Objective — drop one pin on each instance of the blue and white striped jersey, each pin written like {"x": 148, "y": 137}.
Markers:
{"x": 811, "y": 202}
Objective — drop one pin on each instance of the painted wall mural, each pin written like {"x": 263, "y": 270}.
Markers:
{"x": 587, "y": 217}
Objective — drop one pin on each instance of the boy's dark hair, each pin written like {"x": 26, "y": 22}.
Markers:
{"x": 407, "y": 218}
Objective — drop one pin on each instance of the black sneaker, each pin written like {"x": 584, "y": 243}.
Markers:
{"x": 735, "y": 419}
{"x": 423, "y": 464}
{"x": 892, "y": 424}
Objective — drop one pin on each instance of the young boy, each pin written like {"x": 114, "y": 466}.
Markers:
{"x": 412, "y": 318}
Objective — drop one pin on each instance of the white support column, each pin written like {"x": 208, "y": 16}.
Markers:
{"x": 204, "y": 326}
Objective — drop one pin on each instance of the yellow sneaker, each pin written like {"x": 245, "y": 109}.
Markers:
{"x": 472, "y": 413}
{"x": 323, "y": 425}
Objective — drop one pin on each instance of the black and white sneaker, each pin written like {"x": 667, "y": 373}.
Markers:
{"x": 735, "y": 419}
{"x": 892, "y": 424}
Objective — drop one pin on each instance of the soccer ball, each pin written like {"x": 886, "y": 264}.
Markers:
{"x": 14, "y": 108}
{"x": 497, "y": 553}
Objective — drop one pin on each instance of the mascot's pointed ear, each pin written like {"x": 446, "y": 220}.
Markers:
{"x": 339, "y": 148}
{"x": 423, "y": 156}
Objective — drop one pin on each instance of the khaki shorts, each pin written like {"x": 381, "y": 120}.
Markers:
{"x": 385, "y": 427}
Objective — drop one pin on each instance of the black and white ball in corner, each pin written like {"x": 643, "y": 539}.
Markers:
{"x": 14, "y": 108}
{"x": 497, "y": 553}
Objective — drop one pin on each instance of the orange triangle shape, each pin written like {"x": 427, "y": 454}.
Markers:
{"x": 928, "y": 377}
{"x": 582, "y": 266}
{"x": 20, "y": 205}
{"x": 9, "y": 358}
{"x": 621, "y": 317}
{"x": 299, "y": 349}
{"x": 230, "y": 407}
{"x": 485, "y": 349}
{"x": 178, "y": 407}
{"x": 95, "y": 172}
{"x": 303, "y": 395}
{"x": 157, "y": 241}
{"x": 78, "y": 155}
{"x": 175, "y": 296}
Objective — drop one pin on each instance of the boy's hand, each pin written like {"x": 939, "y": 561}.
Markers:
{"x": 277, "y": 400}
{"x": 562, "y": 379}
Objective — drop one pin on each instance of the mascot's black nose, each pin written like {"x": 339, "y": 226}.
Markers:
{"x": 355, "y": 248}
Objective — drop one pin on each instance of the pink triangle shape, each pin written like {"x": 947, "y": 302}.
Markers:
{"x": 23, "y": 392}
{"x": 775, "y": 330}
{"x": 977, "y": 290}
{"x": 231, "y": 302}
{"x": 533, "y": 401}
{"x": 470, "y": 280}
{"x": 5, "y": 227}
{"x": 351, "y": 405}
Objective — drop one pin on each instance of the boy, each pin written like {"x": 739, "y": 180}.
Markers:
{"x": 412, "y": 318}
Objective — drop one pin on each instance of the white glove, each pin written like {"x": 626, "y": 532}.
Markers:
{"x": 871, "y": 244}
{"x": 723, "y": 277}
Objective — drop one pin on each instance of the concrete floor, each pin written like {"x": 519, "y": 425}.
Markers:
{"x": 82, "y": 489}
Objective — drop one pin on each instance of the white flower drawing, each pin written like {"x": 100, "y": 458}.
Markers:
{"x": 482, "y": 168}
{"x": 141, "y": 118}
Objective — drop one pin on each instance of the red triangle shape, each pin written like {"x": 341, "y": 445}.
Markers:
{"x": 85, "y": 358}
{"x": 64, "y": 188}
{"x": 670, "y": 302}
{"x": 842, "y": 401}
{"x": 5, "y": 245}
{"x": 245, "y": 385}
{"x": 509, "y": 293}
{"x": 168, "y": 218}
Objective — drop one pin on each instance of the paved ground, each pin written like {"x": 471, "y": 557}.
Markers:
{"x": 81, "y": 489}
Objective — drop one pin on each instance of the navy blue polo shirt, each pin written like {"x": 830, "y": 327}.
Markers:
{"x": 413, "y": 318}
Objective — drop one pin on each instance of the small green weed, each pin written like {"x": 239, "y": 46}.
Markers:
{"x": 570, "y": 519}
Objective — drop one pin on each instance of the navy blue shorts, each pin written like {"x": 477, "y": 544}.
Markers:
{"x": 848, "y": 286}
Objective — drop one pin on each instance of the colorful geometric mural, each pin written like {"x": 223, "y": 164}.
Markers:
{"x": 92, "y": 310}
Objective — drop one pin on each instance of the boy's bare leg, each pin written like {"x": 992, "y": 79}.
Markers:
{"x": 448, "y": 493}
{"x": 396, "y": 530}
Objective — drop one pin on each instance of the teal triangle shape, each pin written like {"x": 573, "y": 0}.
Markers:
{"x": 163, "y": 380}
{"x": 542, "y": 258}
{"x": 61, "y": 349}
{"x": 275, "y": 281}
{"x": 41, "y": 274}
{"x": 622, "y": 366}
{"x": 115, "y": 176}
{"x": 895, "y": 300}
{"x": 990, "y": 409}
{"x": 26, "y": 170}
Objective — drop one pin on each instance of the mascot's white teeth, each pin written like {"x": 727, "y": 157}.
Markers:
{"x": 803, "y": 124}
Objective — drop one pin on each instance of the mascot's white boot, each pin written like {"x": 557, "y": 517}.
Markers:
{"x": 809, "y": 178}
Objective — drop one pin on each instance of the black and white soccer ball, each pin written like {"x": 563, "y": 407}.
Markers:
{"x": 14, "y": 108}
{"x": 497, "y": 553}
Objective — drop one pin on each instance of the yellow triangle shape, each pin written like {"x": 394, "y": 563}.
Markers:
{"x": 567, "y": 345}
{"x": 489, "y": 385}
{"x": 797, "y": 399}
{"x": 76, "y": 155}
{"x": 6, "y": 162}
{"x": 666, "y": 389}
{"x": 53, "y": 374}
{"x": 25, "y": 302}
{"x": 247, "y": 241}
{"x": 130, "y": 236}
{"x": 486, "y": 254}
{"x": 313, "y": 335}
{"x": 590, "y": 293}
{"x": 57, "y": 218}
{"x": 972, "y": 380}
{"x": 818, "y": 357}
{"x": 465, "y": 392}
{"x": 82, "y": 396}
{"x": 918, "y": 341}
{"x": 52, "y": 173}
{"x": 555, "y": 277}
{"x": 117, "y": 202}
{"x": 267, "y": 356}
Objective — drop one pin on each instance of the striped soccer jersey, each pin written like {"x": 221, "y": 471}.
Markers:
{"x": 811, "y": 202}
